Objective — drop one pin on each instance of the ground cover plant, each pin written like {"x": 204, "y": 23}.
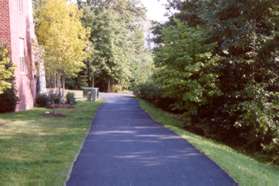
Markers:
{"x": 243, "y": 168}
{"x": 38, "y": 150}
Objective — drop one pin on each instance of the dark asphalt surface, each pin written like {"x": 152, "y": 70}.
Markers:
{"x": 125, "y": 147}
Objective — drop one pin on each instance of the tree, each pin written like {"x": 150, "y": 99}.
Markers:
{"x": 61, "y": 33}
{"x": 243, "y": 30}
{"x": 116, "y": 34}
{"x": 244, "y": 37}
{"x": 36, "y": 5}
{"x": 186, "y": 65}
{"x": 6, "y": 70}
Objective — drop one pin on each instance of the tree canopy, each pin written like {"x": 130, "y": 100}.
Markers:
{"x": 217, "y": 61}
{"x": 117, "y": 38}
{"x": 61, "y": 33}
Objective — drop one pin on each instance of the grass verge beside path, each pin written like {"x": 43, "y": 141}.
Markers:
{"x": 38, "y": 151}
{"x": 244, "y": 169}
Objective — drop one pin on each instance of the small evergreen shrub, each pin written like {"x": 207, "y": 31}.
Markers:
{"x": 6, "y": 70}
{"x": 8, "y": 101}
{"x": 70, "y": 98}
{"x": 149, "y": 91}
{"x": 42, "y": 100}
{"x": 55, "y": 98}
{"x": 152, "y": 92}
{"x": 8, "y": 98}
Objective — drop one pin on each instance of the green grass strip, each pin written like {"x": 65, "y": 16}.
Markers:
{"x": 244, "y": 169}
{"x": 38, "y": 151}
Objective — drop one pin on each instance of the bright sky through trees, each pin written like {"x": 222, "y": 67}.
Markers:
{"x": 156, "y": 10}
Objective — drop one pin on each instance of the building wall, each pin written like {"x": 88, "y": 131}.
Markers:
{"x": 19, "y": 38}
{"x": 4, "y": 22}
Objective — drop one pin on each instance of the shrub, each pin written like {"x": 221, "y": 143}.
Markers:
{"x": 152, "y": 92}
{"x": 8, "y": 101}
{"x": 149, "y": 91}
{"x": 70, "y": 98}
{"x": 42, "y": 100}
{"x": 6, "y": 70}
{"x": 8, "y": 98}
{"x": 117, "y": 88}
{"x": 55, "y": 98}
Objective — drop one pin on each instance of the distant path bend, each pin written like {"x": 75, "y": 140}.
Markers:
{"x": 125, "y": 147}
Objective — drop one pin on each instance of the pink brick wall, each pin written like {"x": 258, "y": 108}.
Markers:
{"x": 4, "y": 22}
{"x": 20, "y": 28}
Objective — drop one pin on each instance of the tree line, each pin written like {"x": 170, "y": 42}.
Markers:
{"x": 84, "y": 44}
{"x": 93, "y": 43}
{"x": 217, "y": 64}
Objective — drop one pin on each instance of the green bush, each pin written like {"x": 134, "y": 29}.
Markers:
{"x": 8, "y": 101}
{"x": 70, "y": 98}
{"x": 152, "y": 92}
{"x": 8, "y": 98}
{"x": 55, "y": 98}
{"x": 149, "y": 91}
{"x": 43, "y": 100}
{"x": 6, "y": 69}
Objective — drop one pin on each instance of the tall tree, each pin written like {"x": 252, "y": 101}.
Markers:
{"x": 186, "y": 66}
{"x": 116, "y": 34}
{"x": 61, "y": 33}
{"x": 245, "y": 39}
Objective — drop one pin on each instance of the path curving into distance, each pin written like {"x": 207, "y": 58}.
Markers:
{"x": 125, "y": 147}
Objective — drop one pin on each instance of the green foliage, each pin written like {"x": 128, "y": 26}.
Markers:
{"x": 6, "y": 70}
{"x": 149, "y": 91}
{"x": 218, "y": 61}
{"x": 37, "y": 150}
{"x": 142, "y": 69}
{"x": 152, "y": 91}
{"x": 55, "y": 98}
{"x": 185, "y": 65}
{"x": 8, "y": 101}
{"x": 63, "y": 37}
{"x": 245, "y": 169}
{"x": 42, "y": 100}
{"x": 117, "y": 41}
{"x": 8, "y": 98}
{"x": 70, "y": 98}
{"x": 109, "y": 44}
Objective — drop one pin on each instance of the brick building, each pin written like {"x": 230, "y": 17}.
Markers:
{"x": 17, "y": 33}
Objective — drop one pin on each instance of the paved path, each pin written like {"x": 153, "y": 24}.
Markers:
{"x": 126, "y": 148}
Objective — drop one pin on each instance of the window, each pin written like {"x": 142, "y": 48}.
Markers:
{"x": 21, "y": 55}
{"x": 20, "y": 6}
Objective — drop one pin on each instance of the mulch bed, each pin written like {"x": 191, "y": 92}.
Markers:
{"x": 63, "y": 106}
{"x": 56, "y": 113}
{"x": 2, "y": 124}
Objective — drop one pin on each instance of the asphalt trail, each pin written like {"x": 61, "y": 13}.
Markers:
{"x": 125, "y": 147}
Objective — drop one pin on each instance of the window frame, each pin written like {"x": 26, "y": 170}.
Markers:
{"x": 20, "y": 6}
{"x": 22, "y": 61}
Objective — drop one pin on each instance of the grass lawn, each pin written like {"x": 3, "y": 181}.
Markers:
{"x": 38, "y": 151}
{"x": 244, "y": 169}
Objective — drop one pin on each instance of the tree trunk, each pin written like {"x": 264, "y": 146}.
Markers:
{"x": 63, "y": 86}
{"x": 93, "y": 80}
{"x": 109, "y": 86}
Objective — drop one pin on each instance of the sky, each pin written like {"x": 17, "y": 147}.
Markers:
{"x": 155, "y": 10}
